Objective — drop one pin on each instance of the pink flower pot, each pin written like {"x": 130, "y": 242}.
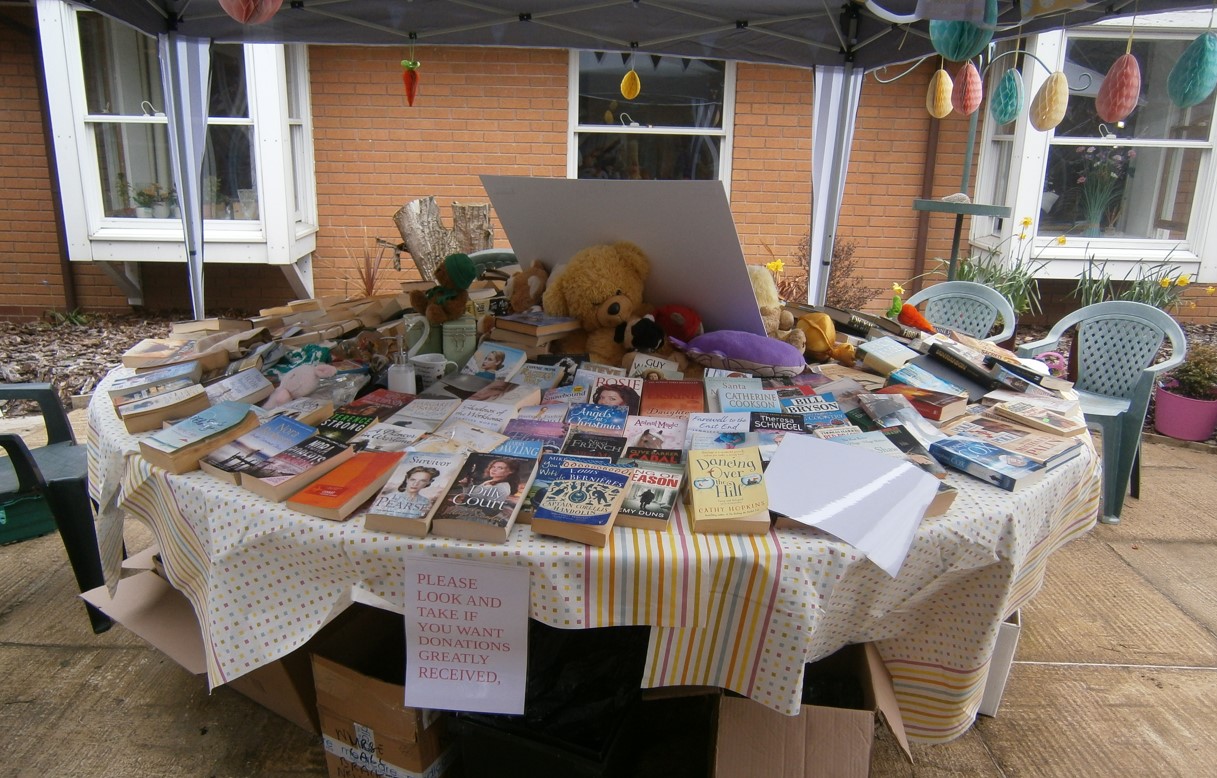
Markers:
{"x": 1183, "y": 417}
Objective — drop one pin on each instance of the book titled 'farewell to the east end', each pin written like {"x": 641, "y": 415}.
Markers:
{"x": 581, "y": 501}
{"x": 338, "y": 493}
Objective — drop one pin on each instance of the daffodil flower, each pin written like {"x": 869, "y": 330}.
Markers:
{"x": 1183, "y": 280}
{"x": 1060, "y": 240}
{"x": 776, "y": 266}
{"x": 1211, "y": 290}
{"x": 1165, "y": 283}
{"x": 1022, "y": 236}
{"x": 897, "y": 289}
{"x": 1026, "y": 221}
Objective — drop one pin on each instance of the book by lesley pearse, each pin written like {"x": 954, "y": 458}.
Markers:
{"x": 411, "y": 495}
{"x": 591, "y": 417}
{"x": 653, "y": 493}
{"x": 254, "y": 447}
{"x": 483, "y": 502}
{"x": 993, "y": 464}
{"x": 581, "y": 502}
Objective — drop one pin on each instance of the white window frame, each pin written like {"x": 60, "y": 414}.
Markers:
{"x": 726, "y": 132}
{"x": 1196, "y": 254}
{"x": 282, "y": 233}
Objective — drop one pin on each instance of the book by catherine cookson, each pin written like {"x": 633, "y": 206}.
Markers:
{"x": 295, "y": 467}
{"x": 152, "y": 412}
{"x": 338, "y": 493}
{"x": 748, "y": 400}
{"x": 672, "y": 398}
{"x": 995, "y": 465}
{"x": 712, "y": 385}
{"x": 592, "y": 444}
{"x": 1040, "y": 418}
{"x": 494, "y": 360}
{"x": 483, "y": 502}
{"x": 590, "y": 417}
{"x": 935, "y": 406}
{"x": 581, "y": 502}
{"x": 651, "y": 497}
{"x": 1042, "y": 447}
{"x": 726, "y": 489}
{"x": 254, "y": 447}
{"x": 179, "y": 447}
{"x": 410, "y": 497}
{"x": 655, "y": 431}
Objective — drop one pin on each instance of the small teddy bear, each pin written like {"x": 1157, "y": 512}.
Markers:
{"x": 300, "y": 381}
{"x": 447, "y": 300}
{"x": 525, "y": 288}
{"x": 779, "y": 322}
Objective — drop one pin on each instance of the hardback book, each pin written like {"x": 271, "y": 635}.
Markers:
{"x": 652, "y": 367}
{"x": 152, "y": 412}
{"x": 657, "y": 456}
{"x": 885, "y": 354}
{"x": 1040, "y": 418}
{"x": 716, "y": 423}
{"x": 537, "y": 323}
{"x": 593, "y": 444}
{"x": 993, "y": 464}
{"x": 726, "y": 490}
{"x": 532, "y": 347}
{"x": 309, "y": 410}
{"x": 914, "y": 374}
{"x": 411, "y": 496}
{"x": 549, "y": 434}
{"x": 468, "y": 436}
{"x": 935, "y": 406}
{"x": 254, "y": 447}
{"x": 651, "y": 497}
{"x": 747, "y": 401}
{"x": 655, "y": 431}
{"x": 972, "y": 366}
{"x": 492, "y": 359}
{"x": 509, "y": 393}
{"x": 208, "y": 326}
{"x": 179, "y": 447}
{"x": 671, "y": 398}
{"x": 487, "y": 415}
{"x": 553, "y": 412}
{"x": 712, "y": 385}
{"x": 591, "y": 417}
{"x": 581, "y": 502}
{"x": 343, "y": 424}
{"x": 568, "y": 362}
{"x": 548, "y": 468}
{"x": 483, "y": 501}
{"x": 247, "y": 386}
{"x": 295, "y": 467}
{"x": 621, "y": 391}
{"x": 569, "y": 394}
{"x": 340, "y": 492}
{"x": 914, "y": 450}
{"x": 142, "y": 385}
{"x": 1041, "y": 447}
{"x": 1065, "y": 406}
{"x": 541, "y": 376}
{"x": 383, "y": 436}
{"x": 1052, "y": 382}
{"x": 425, "y": 413}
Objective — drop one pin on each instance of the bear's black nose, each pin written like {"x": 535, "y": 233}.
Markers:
{"x": 614, "y": 309}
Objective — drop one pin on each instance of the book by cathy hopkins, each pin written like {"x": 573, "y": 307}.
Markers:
{"x": 581, "y": 502}
{"x": 410, "y": 497}
{"x": 483, "y": 502}
{"x": 651, "y": 498}
{"x": 727, "y": 491}
{"x": 338, "y": 493}
{"x": 993, "y": 464}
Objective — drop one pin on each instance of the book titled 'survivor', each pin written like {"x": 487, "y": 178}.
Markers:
{"x": 411, "y": 496}
{"x": 581, "y": 502}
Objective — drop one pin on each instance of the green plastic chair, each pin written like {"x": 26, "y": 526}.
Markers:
{"x": 967, "y": 307}
{"x": 51, "y": 480}
{"x": 1116, "y": 344}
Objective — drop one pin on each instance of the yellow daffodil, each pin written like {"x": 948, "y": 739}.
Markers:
{"x": 1165, "y": 283}
{"x": 1060, "y": 240}
{"x": 776, "y": 266}
{"x": 1022, "y": 236}
{"x": 897, "y": 289}
{"x": 1183, "y": 280}
{"x": 1211, "y": 290}
{"x": 1026, "y": 222}
{"x": 1191, "y": 304}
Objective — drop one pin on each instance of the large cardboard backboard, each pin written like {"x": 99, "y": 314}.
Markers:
{"x": 685, "y": 227}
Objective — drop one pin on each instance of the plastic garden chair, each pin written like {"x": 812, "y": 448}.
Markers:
{"x": 968, "y": 307}
{"x": 51, "y": 482}
{"x": 1116, "y": 344}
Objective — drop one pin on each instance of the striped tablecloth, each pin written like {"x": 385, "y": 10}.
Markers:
{"x": 739, "y": 612}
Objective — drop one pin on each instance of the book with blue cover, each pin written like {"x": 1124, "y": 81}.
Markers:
{"x": 993, "y": 464}
{"x": 591, "y": 417}
{"x": 749, "y": 400}
{"x": 179, "y": 448}
{"x": 581, "y": 501}
{"x": 254, "y": 447}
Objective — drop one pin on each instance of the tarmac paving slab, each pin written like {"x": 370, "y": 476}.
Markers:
{"x": 1178, "y": 490}
{"x": 1184, "y": 573}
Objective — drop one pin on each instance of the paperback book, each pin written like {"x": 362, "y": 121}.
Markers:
{"x": 340, "y": 492}
{"x": 747, "y": 401}
{"x": 492, "y": 360}
{"x": 150, "y": 391}
{"x": 844, "y": 392}
{"x": 914, "y": 374}
{"x": 344, "y": 424}
{"x": 468, "y": 436}
{"x": 556, "y": 412}
{"x": 616, "y": 391}
{"x": 508, "y": 393}
{"x": 1041, "y": 447}
{"x": 671, "y": 398}
{"x": 424, "y": 413}
{"x": 828, "y": 433}
{"x": 914, "y": 450}
{"x": 714, "y": 384}
{"x": 651, "y": 497}
{"x": 141, "y": 385}
{"x": 592, "y": 417}
{"x": 1064, "y": 406}
{"x": 410, "y": 497}
{"x": 570, "y": 394}
{"x": 592, "y": 444}
{"x": 1050, "y": 382}
{"x": 541, "y": 376}
{"x": 935, "y": 406}
{"x": 727, "y": 492}
{"x": 295, "y": 467}
{"x": 459, "y": 386}
{"x": 656, "y": 456}
{"x": 487, "y": 415}
{"x": 568, "y": 363}
{"x": 548, "y": 468}
{"x": 652, "y": 367}
{"x": 1040, "y": 418}
{"x": 254, "y": 447}
{"x": 307, "y": 410}
{"x": 990, "y": 463}
{"x": 384, "y": 436}
{"x": 179, "y": 447}
{"x": 581, "y": 501}
{"x": 381, "y": 403}
{"x": 885, "y": 354}
{"x": 483, "y": 501}
{"x": 247, "y": 386}
{"x": 655, "y": 431}
{"x": 549, "y": 434}
{"x": 716, "y": 423}
{"x": 152, "y": 412}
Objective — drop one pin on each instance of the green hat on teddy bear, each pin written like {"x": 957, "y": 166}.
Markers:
{"x": 460, "y": 270}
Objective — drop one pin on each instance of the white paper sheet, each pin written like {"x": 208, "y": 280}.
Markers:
{"x": 871, "y": 501}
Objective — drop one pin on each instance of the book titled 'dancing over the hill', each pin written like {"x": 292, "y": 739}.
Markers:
{"x": 726, "y": 489}
{"x": 295, "y": 467}
{"x": 482, "y": 504}
{"x": 254, "y": 447}
{"x": 581, "y": 502}
{"x": 410, "y": 497}
{"x": 338, "y": 493}
{"x": 179, "y": 448}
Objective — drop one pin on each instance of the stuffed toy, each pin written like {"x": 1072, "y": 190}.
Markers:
{"x": 679, "y": 321}
{"x": 779, "y": 322}
{"x": 736, "y": 350}
{"x": 821, "y": 335}
{"x": 643, "y": 335}
{"x": 300, "y": 381}
{"x": 601, "y": 286}
{"x": 525, "y": 287}
{"x": 447, "y": 300}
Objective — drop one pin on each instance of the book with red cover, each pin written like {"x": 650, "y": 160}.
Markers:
{"x": 671, "y": 397}
{"x": 936, "y": 406}
{"x": 338, "y": 493}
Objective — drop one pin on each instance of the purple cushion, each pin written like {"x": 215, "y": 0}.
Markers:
{"x": 736, "y": 350}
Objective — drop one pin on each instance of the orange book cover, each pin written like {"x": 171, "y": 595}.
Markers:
{"x": 339, "y": 492}
{"x": 671, "y": 397}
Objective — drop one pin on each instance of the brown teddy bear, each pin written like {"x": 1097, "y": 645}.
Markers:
{"x": 601, "y": 286}
{"x": 525, "y": 287}
{"x": 779, "y": 322}
{"x": 447, "y": 300}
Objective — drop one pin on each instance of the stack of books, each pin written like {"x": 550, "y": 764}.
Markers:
{"x": 532, "y": 331}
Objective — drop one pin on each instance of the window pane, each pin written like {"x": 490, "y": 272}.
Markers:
{"x": 122, "y": 70}
{"x": 133, "y": 160}
{"x": 1087, "y": 61}
{"x": 667, "y": 157}
{"x": 229, "y": 96}
{"x": 675, "y": 92}
{"x": 294, "y": 61}
{"x": 228, "y": 173}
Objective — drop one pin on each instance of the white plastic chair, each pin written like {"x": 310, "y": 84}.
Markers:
{"x": 1116, "y": 344}
{"x": 967, "y": 307}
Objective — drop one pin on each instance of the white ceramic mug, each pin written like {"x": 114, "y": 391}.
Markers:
{"x": 415, "y": 342}
{"x": 431, "y": 367}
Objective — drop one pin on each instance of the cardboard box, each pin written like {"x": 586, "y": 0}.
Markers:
{"x": 346, "y": 762}
{"x": 360, "y": 694}
{"x": 999, "y": 665}
{"x": 148, "y": 606}
{"x": 755, "y": 740}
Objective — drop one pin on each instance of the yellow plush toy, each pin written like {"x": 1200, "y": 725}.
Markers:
{"x": 601, "y": 286}
{"x": 779, "y": 322}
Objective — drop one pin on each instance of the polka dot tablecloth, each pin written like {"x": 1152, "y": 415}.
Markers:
{"x": 739, "y": 612}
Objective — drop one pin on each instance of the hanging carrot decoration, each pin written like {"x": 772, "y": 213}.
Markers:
{"x": 409, "y": 76}
{"x": 911, "y": 317}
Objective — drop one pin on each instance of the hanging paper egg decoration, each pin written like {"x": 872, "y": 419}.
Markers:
{"x": 1049, "y": 104}
{"x": 958, "y": 41}
{"x": 631, "y": 85}
{"x": 251, "y": 11}
{"x": 1194, "y": 76}
{"x": 938, "y": 96}
{"x": 1007, "y": 100}
{"x": 1120, "y": 89}
{"x": 966, "y": 96}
